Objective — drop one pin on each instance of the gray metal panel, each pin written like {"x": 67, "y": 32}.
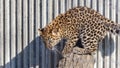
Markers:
{"x": 20, "y": 46}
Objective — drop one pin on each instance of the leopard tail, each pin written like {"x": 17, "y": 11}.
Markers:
{"x": 112, "y": 27}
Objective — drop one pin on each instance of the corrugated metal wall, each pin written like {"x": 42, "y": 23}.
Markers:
{"x": 20, "y": 46}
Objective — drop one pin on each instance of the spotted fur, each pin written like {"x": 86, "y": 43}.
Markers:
{"x": 78, "y": 23}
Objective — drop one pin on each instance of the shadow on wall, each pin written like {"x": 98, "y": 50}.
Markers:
{"x": 31, "y": 56}
{"x": 108, "y": 46}
{"x": 23, "y": 60}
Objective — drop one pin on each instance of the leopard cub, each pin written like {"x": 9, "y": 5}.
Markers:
{"x": 78, "y": 23}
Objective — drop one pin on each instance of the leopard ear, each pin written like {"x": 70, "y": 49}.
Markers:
{"x": 40, "y": 31}
{"x": 55, "y": 32}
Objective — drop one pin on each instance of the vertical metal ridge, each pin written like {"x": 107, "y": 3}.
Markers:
{"x": 59, "y": 4}
{"x": 53, "y": 9}
{"x": 28, "y": 22}
{"x": 106, "y": 46}
{"x": 34, "y": 49}
{"x": 82, "y": 3}
{"x": 12, "y": 34}
{"x": 22, "y": 47}
{"x": 40, "y": 50}
{"x": 53, "y": 16}
{"x": 46, "y": 52}
{"x": 113, "y": 37}
{"x": 10, "y": 30}
{"x": 43, "y": 25}
{"x": 117, "y": 36}
{"x": 1, "y": 33}
{"x": 25, "y": 35}
{"x": 62, "y": 6}
{"x": 118, "y": 50}
{"x": 19, "y": 33}
{"x": 87, "y": 3}
{"x": 7, "y": 35}
{"x": 16, "y": 31}
{"x": 4, "y": 32}
{"x": 31, "y": 34}
{"x": 92, "y": 4}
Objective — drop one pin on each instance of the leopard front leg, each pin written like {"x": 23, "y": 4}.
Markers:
{"x": 69, "y": 47}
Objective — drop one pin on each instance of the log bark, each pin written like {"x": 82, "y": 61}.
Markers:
{"x": 77, "y": 61}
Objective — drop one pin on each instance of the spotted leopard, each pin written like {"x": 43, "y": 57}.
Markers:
{"x": 78, "y": 23}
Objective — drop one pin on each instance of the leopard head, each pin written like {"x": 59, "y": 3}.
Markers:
{"x": 49, "y": 36}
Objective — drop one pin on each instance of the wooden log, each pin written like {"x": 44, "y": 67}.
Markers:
{"x": 77, "y": 61}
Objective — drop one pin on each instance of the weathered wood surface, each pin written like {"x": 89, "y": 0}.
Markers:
{"x": 77, "y": 61}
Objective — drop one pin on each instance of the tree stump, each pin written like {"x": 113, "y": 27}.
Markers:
{"x": 77, "y": 61}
